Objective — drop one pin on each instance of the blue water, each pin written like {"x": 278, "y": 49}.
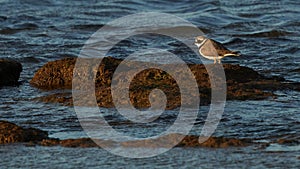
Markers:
{"x": 265, "y": 32}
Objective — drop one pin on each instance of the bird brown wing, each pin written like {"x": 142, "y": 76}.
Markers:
{"x": 222, "y": 50}
{"x": 208, "y": 49}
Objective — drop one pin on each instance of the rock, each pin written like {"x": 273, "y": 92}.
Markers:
{"x": 50, "y": 142}
{"x": 222, "y": 142}
{"x": 288, "y": 141}
{"x": 243, "y": 83}
{"x": 161, "y": 142}
{"x": 63, "y": 98}
{"x": 11, "y": 133}
{"x": 9, "y": 72}
{"x": 81, "y": 142}
{"x": 86, "y": 142}
{"x": 188, "y": 141}
{"x": 56, "y": 74}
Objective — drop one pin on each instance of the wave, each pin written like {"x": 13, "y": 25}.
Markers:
{"x": 266, "y": 34}
{"x": 18, "y": 28}
{"x": 88, "y": 27}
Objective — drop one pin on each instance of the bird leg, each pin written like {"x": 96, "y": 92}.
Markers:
{"x": 215, "y": 61}
{"x": 219, "y": 61}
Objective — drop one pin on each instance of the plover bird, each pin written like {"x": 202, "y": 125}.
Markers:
{"x": 212, "y": 49}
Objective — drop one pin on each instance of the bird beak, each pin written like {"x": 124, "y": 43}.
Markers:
{"x": 197, "y": 44}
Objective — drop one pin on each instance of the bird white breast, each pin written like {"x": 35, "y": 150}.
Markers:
{"x": 211, "y": 57}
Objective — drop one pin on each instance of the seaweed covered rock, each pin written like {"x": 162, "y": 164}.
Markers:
{"x": 243, "y": 83}
{"x": 12, "y": 133}
{"x": 56, "y": 74}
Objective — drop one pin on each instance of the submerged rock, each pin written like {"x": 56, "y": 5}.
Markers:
{"x": 11, "y": 133}
{"x": 161, "y": 142}
{"x": 9, "y": 72}
{"x": 243, "y": 83}
{"x": 188, "y": 141}
{"x": 78, "y": 142}
{"x": 288, "y": 141}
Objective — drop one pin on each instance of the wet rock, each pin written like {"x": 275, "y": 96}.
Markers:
{"x": 87, "y": 142}
{"x": 50, "y": 142}
{"x": 56, "y": 74}
{"x": 167, "y": 141}
{"x": 243, "y": 83}
{"x": 11, "y": 133}
{"x": 63, "y": 98}
{"x": 81, "y": 142}
{"x": 288, "y": 141}
{"x": 222, "y": 142}
{"x": 9, "y": 72}
{"x": 188, "y": 141}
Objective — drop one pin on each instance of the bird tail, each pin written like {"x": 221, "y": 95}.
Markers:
{"x": 234, "y": 53}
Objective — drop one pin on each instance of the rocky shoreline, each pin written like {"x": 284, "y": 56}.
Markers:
{"x": 242, "y": 84}
{"x": 12, "y": 133}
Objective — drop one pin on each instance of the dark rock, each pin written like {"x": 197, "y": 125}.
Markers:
{"x": 9, "y": 72}
{"x": 242, "y": 83}
{"x": 11, "y": 133}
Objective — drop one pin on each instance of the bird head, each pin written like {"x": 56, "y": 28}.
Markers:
{"x": 199, "y": 41}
